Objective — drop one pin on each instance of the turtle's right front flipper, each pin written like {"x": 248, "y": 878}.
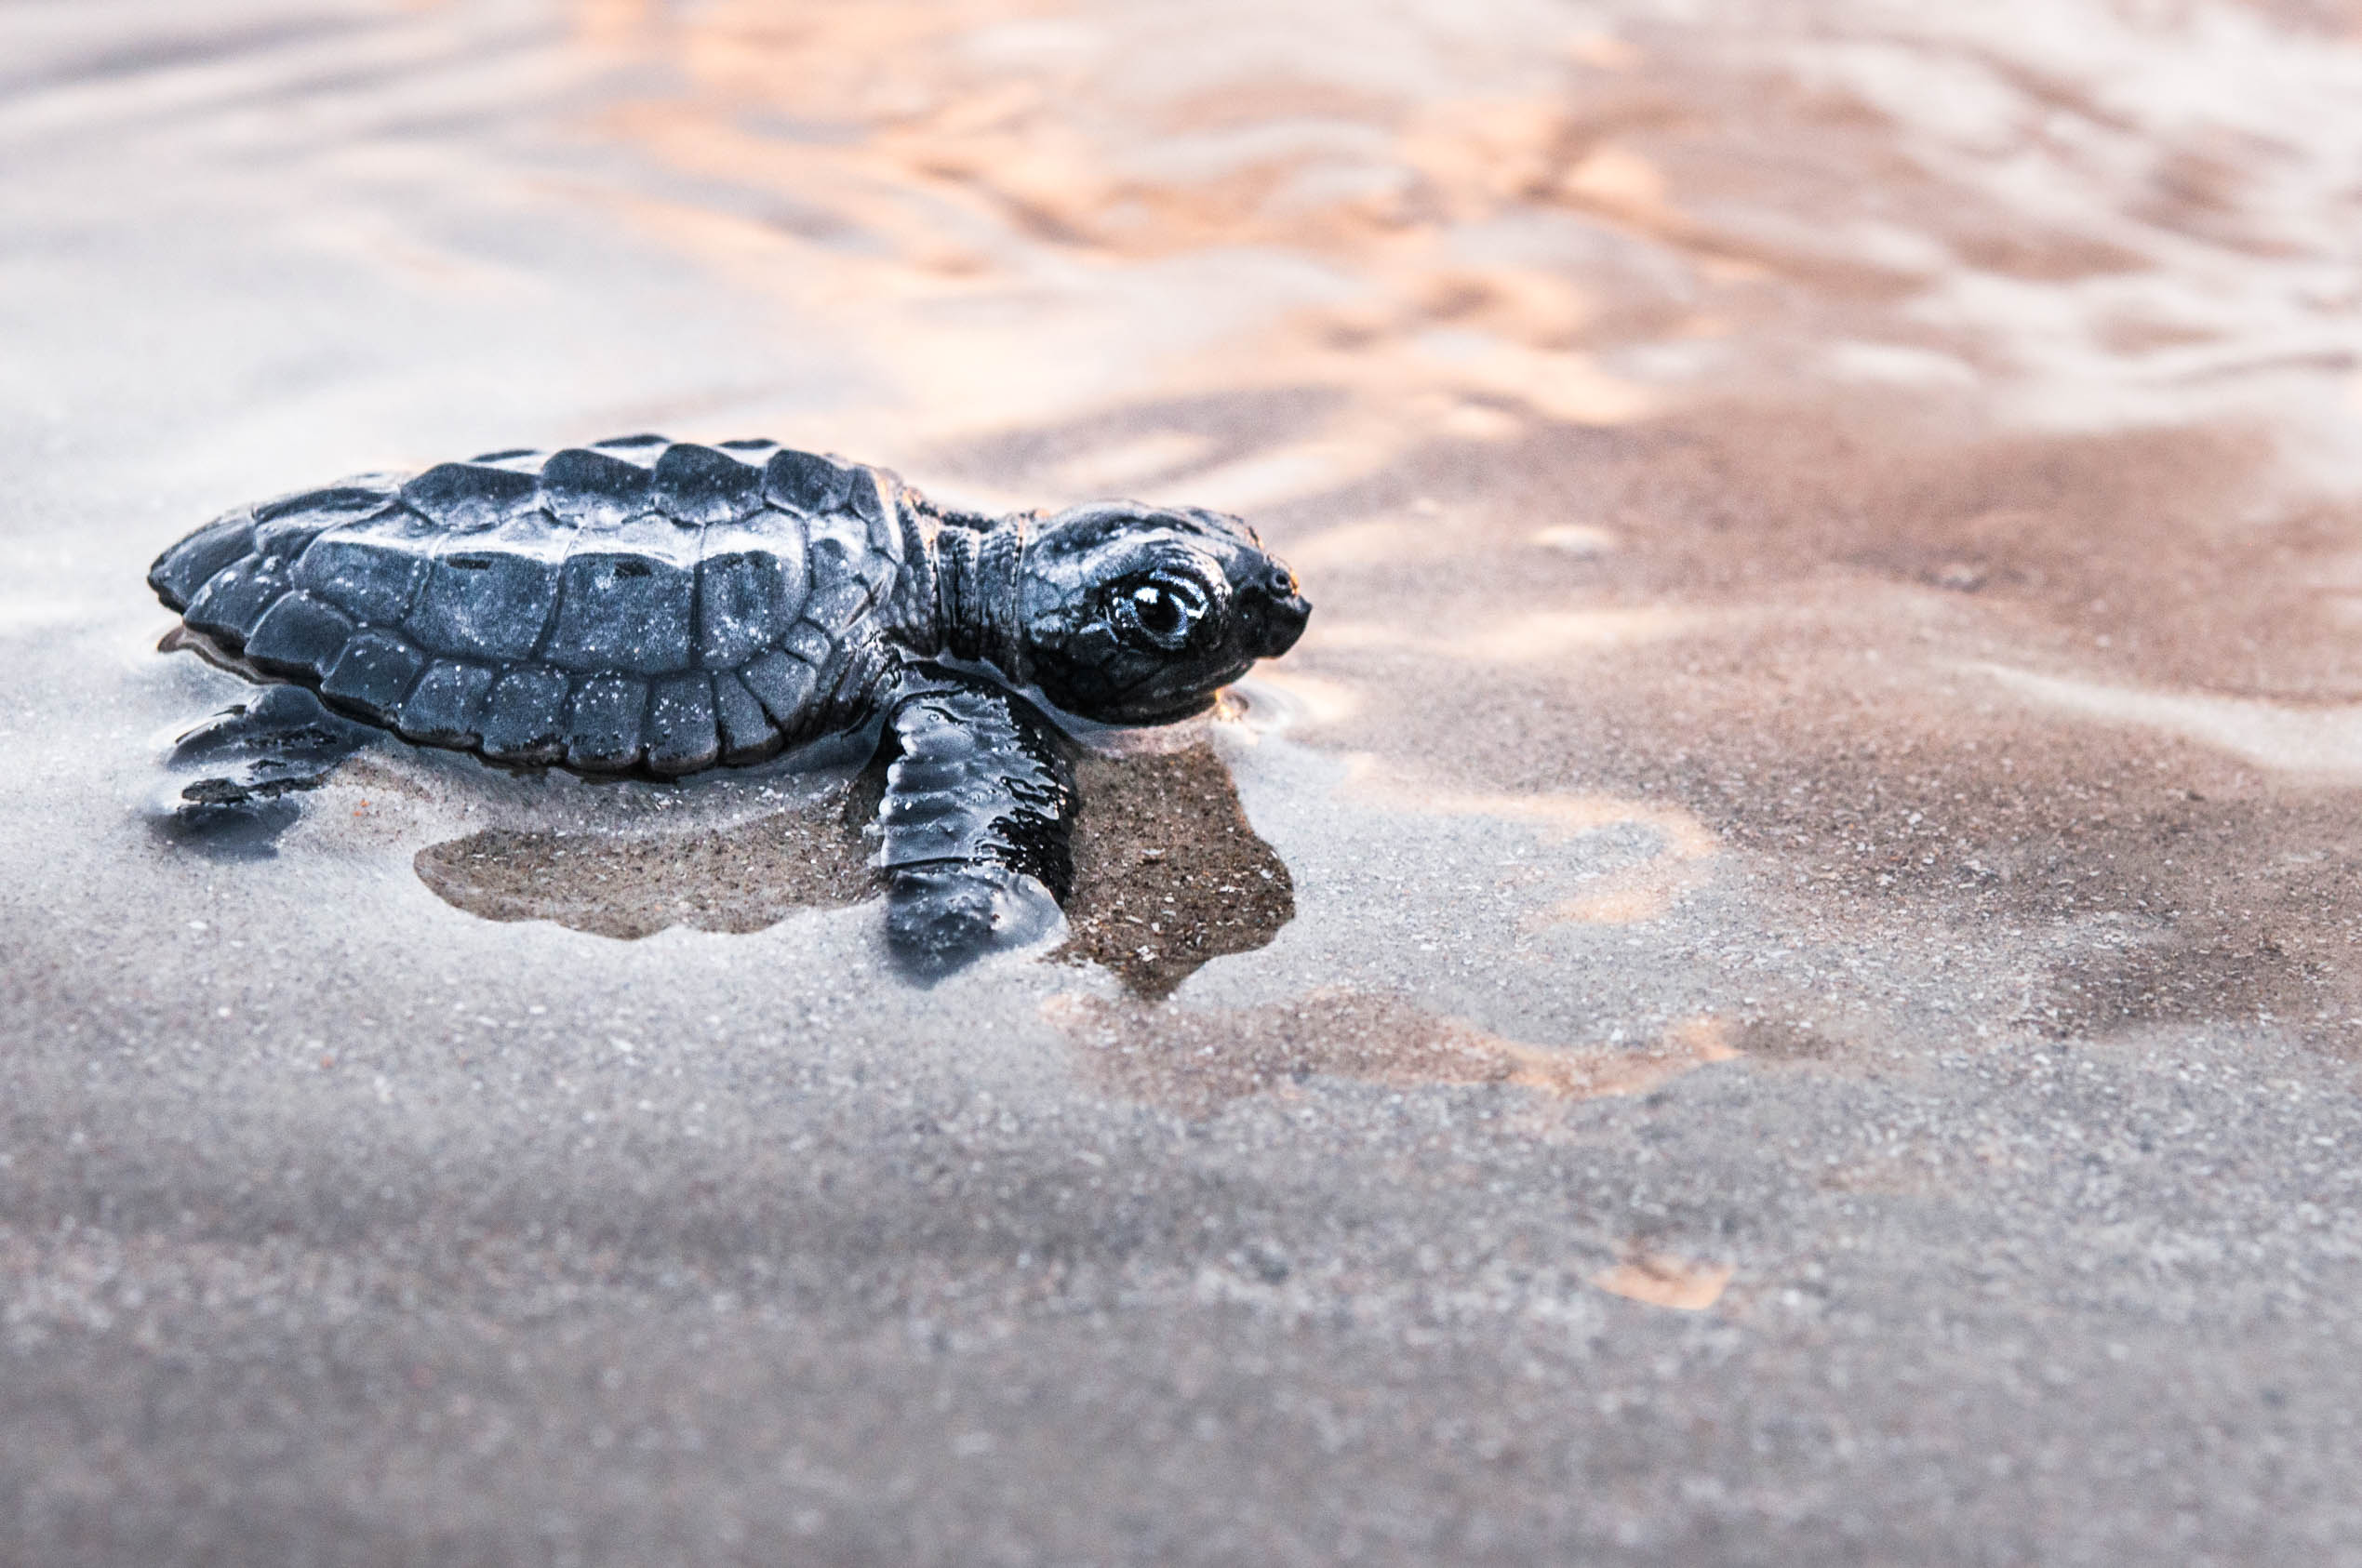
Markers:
{"x": 978, "y": 818}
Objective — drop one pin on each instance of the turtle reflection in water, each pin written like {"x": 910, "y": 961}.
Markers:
{"x": 646, "y": 607}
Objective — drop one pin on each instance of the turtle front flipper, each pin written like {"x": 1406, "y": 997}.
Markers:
{"x": 978, "y": 820}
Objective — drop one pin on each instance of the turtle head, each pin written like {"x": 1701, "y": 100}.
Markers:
{"x": 1138, "y": 614}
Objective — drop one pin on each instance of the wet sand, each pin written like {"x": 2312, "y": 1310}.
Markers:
{"x": 1772, "y": 983}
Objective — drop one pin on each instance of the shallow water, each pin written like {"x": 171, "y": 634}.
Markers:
{"x": 1802, "y": 1007}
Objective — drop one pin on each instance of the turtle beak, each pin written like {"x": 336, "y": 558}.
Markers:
{"x": 1278, "y": 612}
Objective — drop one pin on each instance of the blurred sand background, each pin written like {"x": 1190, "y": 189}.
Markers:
{"x": 1773, "y": 982}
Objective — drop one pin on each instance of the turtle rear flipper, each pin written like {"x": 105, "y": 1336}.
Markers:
{"x": 235, "y": 774}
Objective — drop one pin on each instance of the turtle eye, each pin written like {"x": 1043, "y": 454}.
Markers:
{"x": 1161, "y": 612}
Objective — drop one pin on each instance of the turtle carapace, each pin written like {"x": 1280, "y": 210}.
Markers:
{"x": 651, "y": 607}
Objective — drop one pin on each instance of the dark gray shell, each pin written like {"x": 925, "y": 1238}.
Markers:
{"x": 636, "y": 604}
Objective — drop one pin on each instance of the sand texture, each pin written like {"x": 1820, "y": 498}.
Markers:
{"x": 1774, "y": 981}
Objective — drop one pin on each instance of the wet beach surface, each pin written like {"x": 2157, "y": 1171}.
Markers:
{"x": 1773, "y": 982}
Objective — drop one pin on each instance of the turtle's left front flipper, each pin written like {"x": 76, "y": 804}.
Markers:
{"x": 978, "y": 818}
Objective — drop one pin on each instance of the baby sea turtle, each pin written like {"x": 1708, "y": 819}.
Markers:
{"x": 651, "y": 607}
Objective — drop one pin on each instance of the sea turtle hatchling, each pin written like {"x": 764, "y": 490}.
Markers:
{"x": 650, "y": 607}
